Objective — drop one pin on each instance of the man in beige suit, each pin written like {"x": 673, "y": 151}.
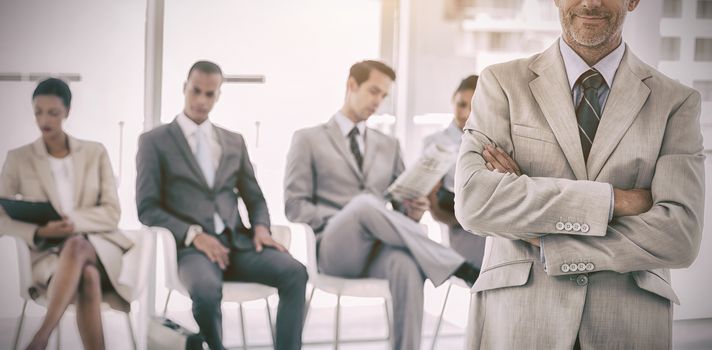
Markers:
{"x": 336, "y": 177}
{"x": 603, "y": 193}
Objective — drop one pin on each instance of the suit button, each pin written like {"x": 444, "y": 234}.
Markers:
{"x": 564, "y": 268}
{"x": 577, "y": 227}
{"x": 573, "y": 267}
{"x": 568, "y": 226}
{"x": 589, "y": 267}
{"x": 584, "y": 228}
{"x": 582, "y": 280}
{"x": 581, "y": 267}
{"x": 559, "y": 226}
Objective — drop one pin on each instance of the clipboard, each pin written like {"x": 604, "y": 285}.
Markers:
{"x": 32, "y": 212}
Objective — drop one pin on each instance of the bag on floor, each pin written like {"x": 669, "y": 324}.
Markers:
{"x": 164, "y": 334}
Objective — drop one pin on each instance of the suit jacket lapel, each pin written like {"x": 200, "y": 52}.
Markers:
{"x": 552, "y": 93}
{"x": 223, "y": 154}
{"x": 44, "y": 173}
{"x": 338, "y": 140}
{"x": 626, "y": 98}
{"x": 79, "y": 160}
{"x": 184, "y": 149}
{"x": 372, "y": 146}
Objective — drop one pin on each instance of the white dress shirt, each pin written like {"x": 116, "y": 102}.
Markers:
{"x": 575, "y": 66}
{"x": 63, "y": 173}
{"x": 190, "y": 128}
{"x": 345, "y": 124}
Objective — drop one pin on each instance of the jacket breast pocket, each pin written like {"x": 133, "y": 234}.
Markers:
{"x": 533, "y": 133}
{"x": 537, "y": 152}
{"x": 510, "y": 274}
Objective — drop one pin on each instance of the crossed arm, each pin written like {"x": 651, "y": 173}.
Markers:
{"x": 510, "y": 206}
{"x": 625, "y": 202}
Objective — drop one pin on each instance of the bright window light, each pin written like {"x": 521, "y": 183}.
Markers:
{"x": 433, "y": 118}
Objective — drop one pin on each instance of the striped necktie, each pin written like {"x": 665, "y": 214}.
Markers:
{"x": 353, "y": 143}
{"x": 588, "y": 111}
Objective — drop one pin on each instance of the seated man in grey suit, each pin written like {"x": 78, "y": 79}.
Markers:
{"x": 190, "y": 175}
{"x": 335, "y": 181}
{"x": 442, "y": 198}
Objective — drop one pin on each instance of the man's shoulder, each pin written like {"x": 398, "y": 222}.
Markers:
{"x": 232, "y": 135}
{"x": 312, "y": 132}
{"x": 515, "y": 67}
{"x": 381, "y": 136}
{"x": 157, "y": 132}
{"x": 667, "y": 85}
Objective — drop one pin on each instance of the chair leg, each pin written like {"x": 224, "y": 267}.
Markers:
{"x": 388, "y": 320}
{"x": 306, "y": 308}
{"x": 242, "y": 324}
{"x": 269, "y": 320}
{"x": 337, "y": 322}
{"x": 440, "y": 319}
{"x": 58, "y": 331}
{"x": 168, "y": 298}
{"x": 19, "y": 327}
{"x": 131, "y": 330}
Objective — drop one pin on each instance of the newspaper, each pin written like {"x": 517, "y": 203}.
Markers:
{"x": 419, "y": 179}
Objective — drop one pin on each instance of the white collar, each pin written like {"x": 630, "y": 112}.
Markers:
{"x": 189, "y": 127}
{"x": 345, "y": 124}
{"x": 575, "y": 65}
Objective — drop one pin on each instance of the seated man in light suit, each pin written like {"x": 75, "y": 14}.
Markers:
{"x": 336, "y": 177}
{"x": 190, "y": 174}
{"x": 603, "y": 192}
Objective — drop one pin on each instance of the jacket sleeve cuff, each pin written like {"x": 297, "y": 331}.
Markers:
{"x": 193, "y": 231}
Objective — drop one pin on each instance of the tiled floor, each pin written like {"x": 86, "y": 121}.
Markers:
{"x": 357, "y": 322}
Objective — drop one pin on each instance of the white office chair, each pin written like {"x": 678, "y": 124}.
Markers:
{"x": 144, "y": 249}
{"x": 354, "y": 287}
{"x": 232, "y": 291}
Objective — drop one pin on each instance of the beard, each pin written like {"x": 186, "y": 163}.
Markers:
{"x": 587, "y": 36}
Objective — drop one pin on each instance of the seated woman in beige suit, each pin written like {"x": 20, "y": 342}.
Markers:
{"x": 79, "y": 257}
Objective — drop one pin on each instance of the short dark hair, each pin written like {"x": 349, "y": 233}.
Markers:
{"x": 469, "y": 83}
{"x": 360, "y": 71}
{"x": 205, "y": 67}
{"x": 54, "y": 87}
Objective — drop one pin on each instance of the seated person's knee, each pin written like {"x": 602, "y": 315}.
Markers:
{"x": 78, "y": 247}
{"x": 206, "y": 291}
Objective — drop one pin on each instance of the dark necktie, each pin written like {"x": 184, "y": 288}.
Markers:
{"x": 588, "y": 111}
{"x": 353, "y": 143}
